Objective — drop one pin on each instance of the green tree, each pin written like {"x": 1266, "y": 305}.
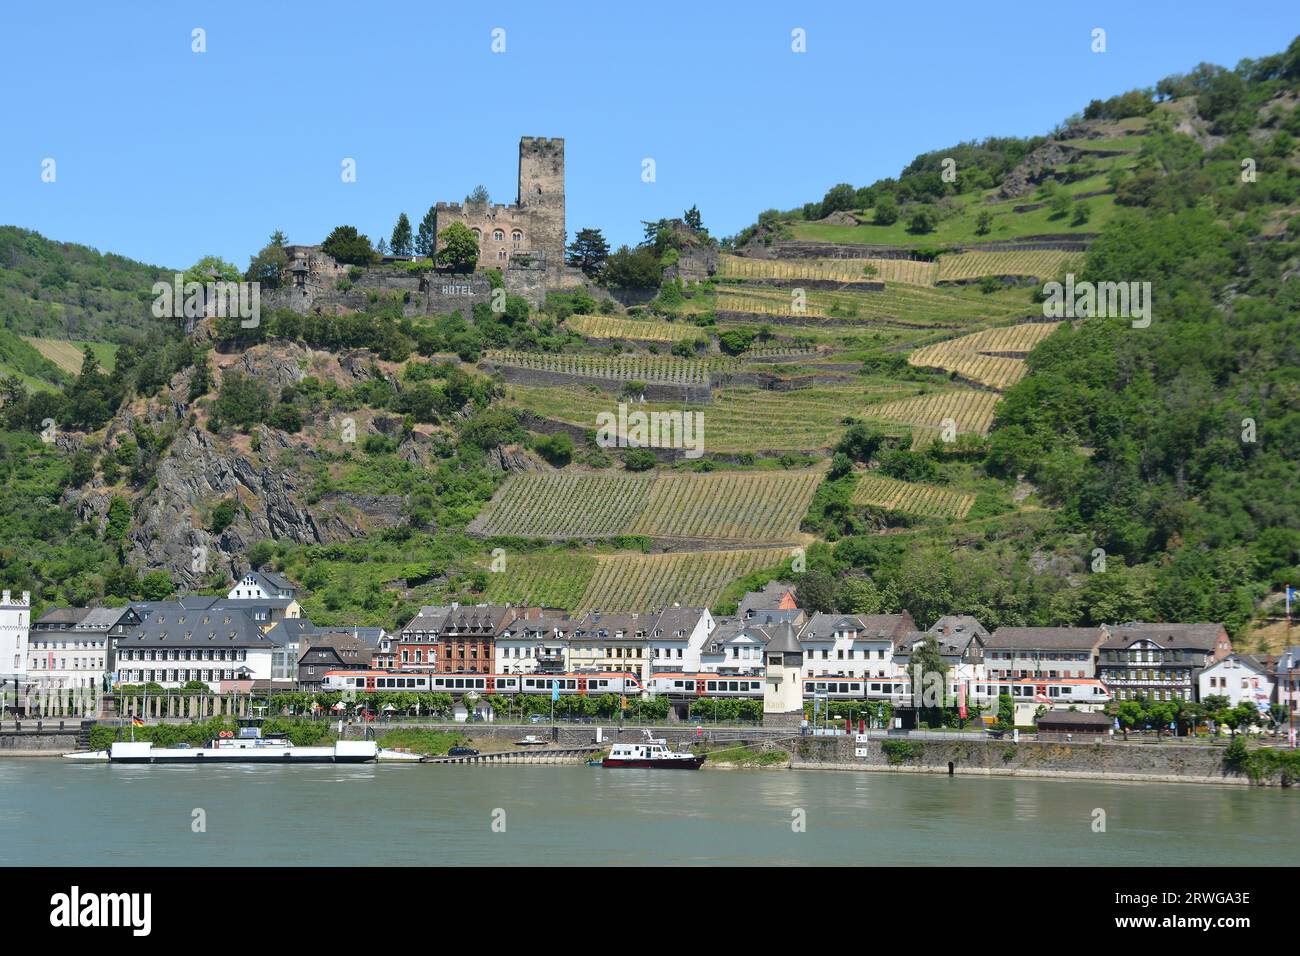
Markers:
{"x": 401, "y": 240}
{"x": 426, "y": 236}
{"x": 459, "y": 248}
{"x": 928, "y": 670}
{"x": 268, "y": 265}
{"x": 344, "y": 244}
{"x": 629, "y": 268}
{"x": 983, "y": 223}
{"x": 886, "y": 211}
{"x": 589, "y": 252}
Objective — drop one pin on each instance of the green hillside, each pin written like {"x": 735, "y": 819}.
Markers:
{"x": 886, "y": 413}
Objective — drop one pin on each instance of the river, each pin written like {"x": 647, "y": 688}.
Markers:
{"x": 59, "y": 813}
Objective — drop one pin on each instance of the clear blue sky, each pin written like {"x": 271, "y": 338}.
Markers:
{"x": 165, "y": 155}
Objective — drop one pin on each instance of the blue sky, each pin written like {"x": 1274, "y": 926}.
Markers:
{"x": 166, "y": 155}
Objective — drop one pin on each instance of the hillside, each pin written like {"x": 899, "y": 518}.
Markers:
{"x": 886, "y": 412}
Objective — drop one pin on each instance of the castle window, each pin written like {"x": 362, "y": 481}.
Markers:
{"x": 498, "y": 235}
{"x": 501, "y": 254}
{"x": 477, "y": 233}
{"x": 517, "y": 237}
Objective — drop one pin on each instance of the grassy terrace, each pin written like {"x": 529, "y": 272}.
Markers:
{"x": 899, "y": 304}
{"x": 736, "y": 507}
{"x": 625, "y": 580}
{"x": 741, "y": 419}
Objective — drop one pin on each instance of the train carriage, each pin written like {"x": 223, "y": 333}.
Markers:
{"x": 581, "y": 684}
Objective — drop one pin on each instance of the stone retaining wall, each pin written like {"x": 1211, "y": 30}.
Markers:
{"x": 1082, "y": 759}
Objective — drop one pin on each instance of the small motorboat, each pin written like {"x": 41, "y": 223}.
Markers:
{"x": 652, "y": 754}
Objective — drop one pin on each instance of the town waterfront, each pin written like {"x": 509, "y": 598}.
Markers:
{"x": 57, "y": 813}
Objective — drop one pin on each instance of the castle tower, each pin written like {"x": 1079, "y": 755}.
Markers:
{"x": 541, "y": 195}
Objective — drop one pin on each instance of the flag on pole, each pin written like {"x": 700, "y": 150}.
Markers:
{"x": 961, "y": 699}
{"x": 555, "y": 690}
{"x": 1290, "y": 596}
{"x": 137, "y": 722}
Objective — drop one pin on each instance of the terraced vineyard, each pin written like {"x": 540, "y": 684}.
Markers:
{"x": 970, "y": 409}
{"x": 992, "y": 357}
{"x": 910, "y": 271}
{"x": 564, "y": 505}
{"x": 636, "y": 581}
{"x": 637, "y": 330}
{"x": 737, "y": 507}
{"x": 911, "y": 306}
{"x": 728, "y": 505}
{"x": 629, "y": 368}
{"x": 929, "y": 501}
{"x": 1040, "y": 264}
{"x": 547, "y": 579}
{"x": 740, "y": 419}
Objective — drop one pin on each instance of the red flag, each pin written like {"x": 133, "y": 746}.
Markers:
{"x": 961, "y": 699}
{"x": 862, "y": 726}
{"x": 848, "y": 726}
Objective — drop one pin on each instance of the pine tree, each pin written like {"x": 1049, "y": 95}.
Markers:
{"x": 426, "y": 236}
{"x": 401, "y": 241}
{"x": 382, "y": 248}
{"x": 588, "y": 252}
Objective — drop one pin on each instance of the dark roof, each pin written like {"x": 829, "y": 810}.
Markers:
{"x": 768, "y": 598}
{"x": 99, "y": 619}
{"x": 783, "y": 640}
{"x": 958, "y": 627}
{"x": 270, "y": 602}
{"x": 673, "y": 619}
{"x": 1074, "y": 718}
{"x": 224, "y": 627}
{"x": 1048, "y": 638}
{"x": 287, "y": 630}
{"x": 884, "y": 627}
{"x": 278, "y": 581}
{"x": 193, "y": 602}
{"x": 1200, "y": 637}
{"x": 428, "y": 618}
{"x": 335, "y": 647}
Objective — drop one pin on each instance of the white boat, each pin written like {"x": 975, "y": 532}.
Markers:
{"x": 248, "y": 746}
{"x": 652, "y": 754}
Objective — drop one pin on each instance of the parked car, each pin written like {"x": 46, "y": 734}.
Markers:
{"x": 537, "y": 719}
{"x": 462, "y": 752}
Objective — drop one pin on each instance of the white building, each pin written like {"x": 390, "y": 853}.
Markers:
{"x": 74, "y": 646}
{"x": 15, "y": 622}
{"x": 678, "y": 638}
{"x": 530, "y": 646}
{"x": 1240, "y": 678}
{"x": 853, "y": 645}
{"x": 736, "y": 648}
{"x": 176, "y": 645}
{"x": 263, "y": 585}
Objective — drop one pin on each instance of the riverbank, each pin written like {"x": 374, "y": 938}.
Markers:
{"x": 731, "y": 747}
{"x": 1083, "y": 760}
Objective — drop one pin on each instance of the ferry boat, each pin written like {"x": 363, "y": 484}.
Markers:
{"x": 246, "y": 746}
{"x": 652, "y": 754}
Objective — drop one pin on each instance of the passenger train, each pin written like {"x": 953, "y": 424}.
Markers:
{"x": 582, "y": 684}
{"x": 687, "y": 686}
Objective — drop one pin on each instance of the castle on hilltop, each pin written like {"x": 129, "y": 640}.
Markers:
{"x": 524, "y": 239}
{"x": 528, "y": 233}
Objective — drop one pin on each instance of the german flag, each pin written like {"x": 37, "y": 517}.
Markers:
{"x": 137, "y": 722}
